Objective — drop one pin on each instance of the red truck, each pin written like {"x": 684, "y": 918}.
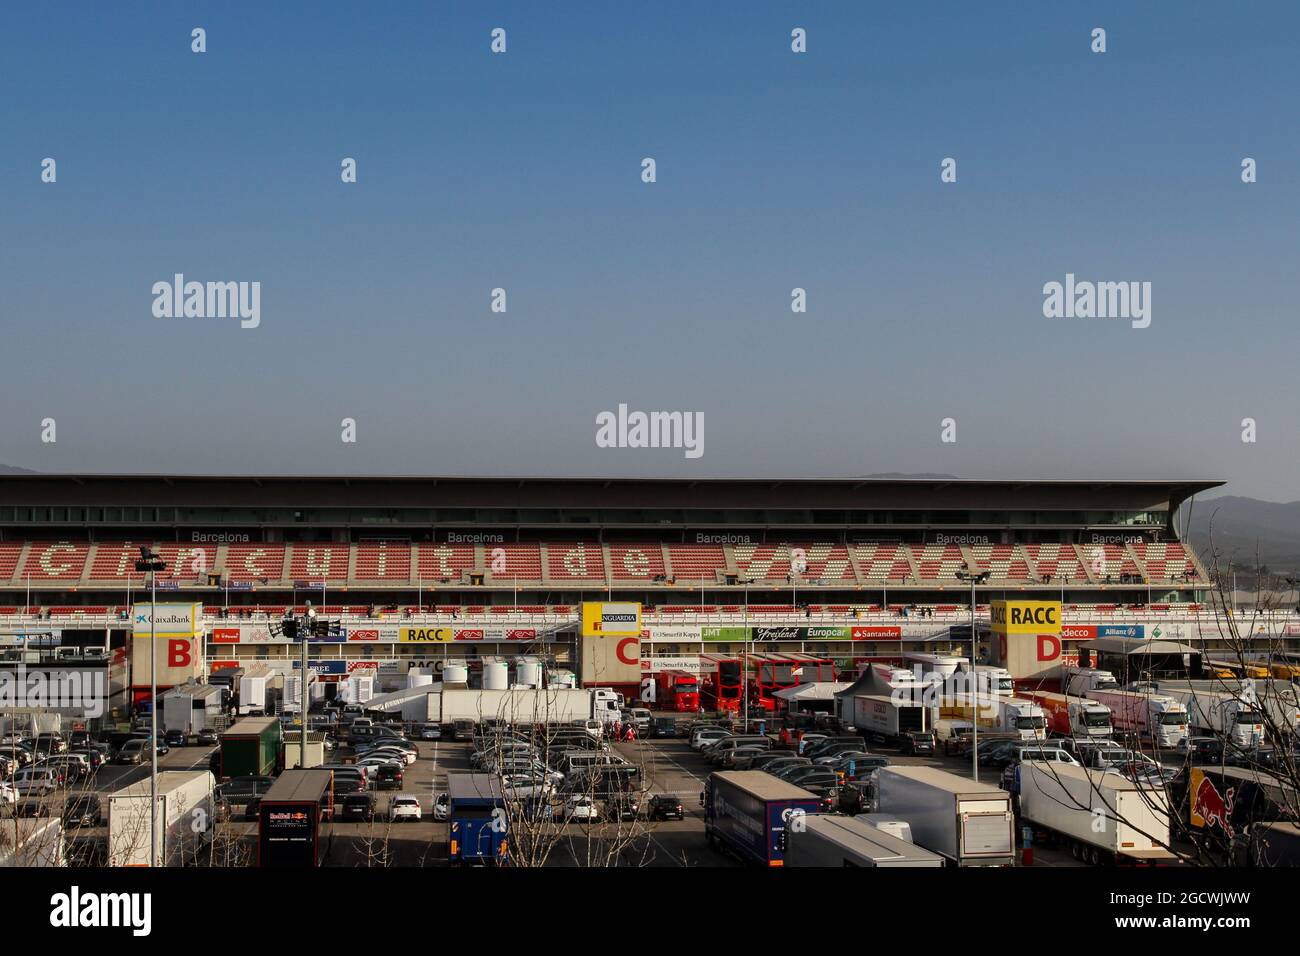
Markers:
{"x": 677, "y": 690}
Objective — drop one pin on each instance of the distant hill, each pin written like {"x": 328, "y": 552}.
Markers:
{"x": 11, "y": 470}
{"x": 1266, "y": 532}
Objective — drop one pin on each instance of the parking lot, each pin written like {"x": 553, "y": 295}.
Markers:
{"x": 668, "y": 766}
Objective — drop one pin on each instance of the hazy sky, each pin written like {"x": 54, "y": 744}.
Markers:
{"x": 775, "y": 170}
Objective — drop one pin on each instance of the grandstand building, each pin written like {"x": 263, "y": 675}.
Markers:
{"x": 429, "y": 570}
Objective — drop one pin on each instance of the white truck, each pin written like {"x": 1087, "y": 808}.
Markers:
{"x": 531, "y": 706}
{"x": 826, "y": 840}
{"x": 1073, "y": 716}
{"x": 884, "y": 717}
{"x": 1281, "y": 702}
{"x": 1104, "y": 816}
{"x": 1157, "y": 716}
{"x": 184, "y": 820}
{"x": 969, "y": 824}
{"x": 1077, "y": 681}
{"x": 254, "y": 693}
{"x": 191, "y": 708}
{"x": 995, "y": 713}
{"x": 1219, "y": 712}
{"x": 987, "y": 678}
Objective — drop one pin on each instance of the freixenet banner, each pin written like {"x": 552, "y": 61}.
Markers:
{"x": 621, "y": 619}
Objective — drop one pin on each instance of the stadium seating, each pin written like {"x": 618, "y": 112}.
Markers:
{"x": 573, "y": 561}
{"x": 254, "y": 562}
{"x": 386, "y": 561}
{"x": 441, "y": 562}
{"x": 10, "y": 553}
{"x": 939, "y": 562}
{"x": 696, "y": 562}
{"x": 319, "y": 561}
{"x": 636, "y": 562}
{"x": 883, "y": 563}
{"x": 55, "y": 561}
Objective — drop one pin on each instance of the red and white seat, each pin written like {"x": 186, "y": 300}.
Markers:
{"x": 384, "y": 561}
{"x": 636, "y": 562}
{"x": 55, "y": 561}
{"x": 574, "y": 561}
{"x": 254, "y": 562}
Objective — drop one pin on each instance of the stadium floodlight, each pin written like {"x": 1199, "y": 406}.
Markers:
{"x": 963, "y": 575}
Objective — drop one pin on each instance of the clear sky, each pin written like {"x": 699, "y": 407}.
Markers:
{"x": 775, "y": 170}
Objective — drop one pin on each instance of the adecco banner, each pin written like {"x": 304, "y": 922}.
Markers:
{"x": 1078, "y": 632}
{"x": 177, "y": 619}
{"x": 607, "y": 659}
{"x": 1026, "y": 617}
{"x": 614, "y": 620}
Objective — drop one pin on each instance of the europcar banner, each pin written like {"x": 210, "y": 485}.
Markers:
{"x": 621, "y": 619}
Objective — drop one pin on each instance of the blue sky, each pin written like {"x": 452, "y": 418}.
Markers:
{"x": 775, "y": 170}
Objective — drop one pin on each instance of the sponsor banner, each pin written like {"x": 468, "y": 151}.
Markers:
{"x": 370, "y": 667}
{"x": 828, "y": 633}
{"x": 724, "y": 633}
{"x": 339, "y": 667}
{"x": 877, "y": 632}
{"x": 521, "y": 634}
{"x": 1026, "y": 617}
{"x": 672, "y": 634}
{"x": 1123, "y": 630}
{"x": 622, "y": 619}
{"x": 338, "y": 638}
{"x": 426, "y": 635}
{"x": 607, "y": 659}
{"x": 363, "y": 634}
{"x": 774, "y": 634}
{"x": 1078, "y": 632}
{"x": 653, "y": 665}
{"x": 173, "y": 619}
{"x": 245, "y": 634}
{"x": 214, "y": 666}
{"x": 468, "y": 634}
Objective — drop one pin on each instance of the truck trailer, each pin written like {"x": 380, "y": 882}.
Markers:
{"x": 967, "y": 823}
{"x": 1234, "y": 716}
{"x": 522, "y": 706}
{"x": 1073, "y": 716}
{"x": 883, "y": 717}
{"x": 1104, "y": 816}
{"x": 192, "y": 707}
{"x": 825, "y": 840}
{"x": 748, "y": 812}
{"x": 290, "y": 815}
{"x": 184, "y": 820}
{"x": 1157, "y": 716}
{"x": 251, "y": 748}
{"x": 996, "y": 713}
{"x": 476, "y": 819}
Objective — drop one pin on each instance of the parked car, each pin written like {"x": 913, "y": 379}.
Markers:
{"x": 8, "y": 796}
{"x": 665, "y": 728}
{"x": 73, "y": 767}
{"x": 134, "y": 751}
{"x": 1202, "y": 749}
{"x": 739, "y": 758}
{"x": 36, "y": 781}
{"x": 441, "y": 807}
{"x": 918, "y": 743}
{"x": 665, "y": 807}
{"x": 431, "y": 732}
{"x": 52, "y": 743}
{"x": 357, "y": 806}
{"x": 807, "y": 742}
{"x": 404, "y": 808}
{"x": 621, "y": 806}
{"x": 388, "y": 777}
{"x": 705, "y": 736}
{"x": 253, "y": 810}
{"x": 177, "y": 738}
{"x": 95, "y": 757}
{"x": 581, "y": 809}
{"x": 207, "y": 737}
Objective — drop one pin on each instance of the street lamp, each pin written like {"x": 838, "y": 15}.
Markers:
{"x": 303, "y": 629}
{"x": 974, "y": 579}
{"x": 151, "y": 563}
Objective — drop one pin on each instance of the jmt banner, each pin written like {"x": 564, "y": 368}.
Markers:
{"x": 614, "y": 620}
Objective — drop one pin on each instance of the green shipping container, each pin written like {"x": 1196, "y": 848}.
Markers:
{"x": 251, "y": 748}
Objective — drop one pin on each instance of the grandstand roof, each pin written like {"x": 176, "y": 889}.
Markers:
{"x": 464, "y": 491}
